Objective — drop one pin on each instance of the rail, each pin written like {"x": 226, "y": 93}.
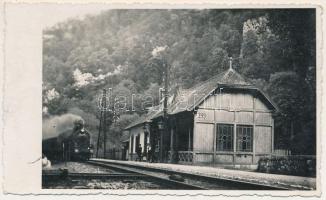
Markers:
{"x": 192, "y": 180}
{"x": 162, "y": 179}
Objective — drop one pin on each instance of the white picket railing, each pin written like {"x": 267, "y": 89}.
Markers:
{"x": 183, "y": 156}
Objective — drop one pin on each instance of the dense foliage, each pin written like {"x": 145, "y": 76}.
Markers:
{"x": 274, "y": 48}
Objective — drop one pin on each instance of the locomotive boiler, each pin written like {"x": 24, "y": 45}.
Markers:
{"x": 70, "y": 145}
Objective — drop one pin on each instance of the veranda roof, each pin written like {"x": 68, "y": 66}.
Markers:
{"x": 188, "y": 99}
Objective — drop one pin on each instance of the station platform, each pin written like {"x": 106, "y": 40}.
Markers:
{"x": 297, "y": 182}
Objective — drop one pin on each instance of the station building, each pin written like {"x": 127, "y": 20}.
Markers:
{"x": 224, "y": 121}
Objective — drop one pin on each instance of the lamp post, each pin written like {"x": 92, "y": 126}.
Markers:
{"x": 161, "y": 128}
{"x": 163, "y": 125}
{"x": 146, "y": 128}
{"x": 160, "y": 125}
{"x": 147, "y": 132}
{"x": 165, "y": 109}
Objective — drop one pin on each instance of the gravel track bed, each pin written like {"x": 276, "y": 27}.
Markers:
{"x": 104, "y": 184}
{"x": 81, "y": 168}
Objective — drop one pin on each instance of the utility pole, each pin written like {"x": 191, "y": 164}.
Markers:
{"x": 164, "y": 132}
{"x": 99, "y": 128}
{"x": 104, "y": 119}
{"x": 102, "y": 126}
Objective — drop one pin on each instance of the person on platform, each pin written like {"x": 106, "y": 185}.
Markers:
{"x": 139, "y": 152}
{"x": 149, "y": 154}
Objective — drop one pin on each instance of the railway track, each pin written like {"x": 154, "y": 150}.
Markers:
{"x": 120, "y": 173}
{"x": 61, "y": 175}
{"x": 181, "y": 180}
{"x": 160, "y": 178}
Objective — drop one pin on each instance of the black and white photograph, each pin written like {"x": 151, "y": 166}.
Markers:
{"x": 201, "y": 99}
{"x": 180, "y": 99}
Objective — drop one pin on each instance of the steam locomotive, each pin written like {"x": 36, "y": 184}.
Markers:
{"x": 71, "y": 145}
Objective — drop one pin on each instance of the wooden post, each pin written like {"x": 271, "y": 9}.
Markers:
{"x": 164, "y": 132}
{"x": 189, "y": 138}
{"x": 63, "y": 152}
{"x": 254, "y": 132}
{"x": 234, "y": 138}
{"x": 214, "y": 137}
{"x": 161, "y": 145}
{"x": 99, "y": 133}
{"x": 172, "y": 145}
{"x": 214, "y": 141}
{"x": 272, "y": 137}
{"x": 176, "y": 156}
{"x": 102, "y": 126}
{"x": 193, "y": 137}
{"x": 104, "y": 120}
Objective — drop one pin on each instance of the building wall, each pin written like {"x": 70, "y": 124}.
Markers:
{"x": 133, "y": 133}
{"x": 233, "y": 109}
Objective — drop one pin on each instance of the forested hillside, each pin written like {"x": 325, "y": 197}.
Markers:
{"x": 273, "y": 48}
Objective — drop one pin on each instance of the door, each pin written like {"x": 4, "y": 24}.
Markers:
{"x": 204, "y": 142}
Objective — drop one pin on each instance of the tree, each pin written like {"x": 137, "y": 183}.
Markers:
{"x": 116, "y": 134}
{"x": 297, "y": 28}
{"x": 290, "y": 94}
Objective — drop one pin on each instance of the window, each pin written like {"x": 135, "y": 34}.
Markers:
{"x": 137, "y": 142}
{"x": 244, "y": 138}
{"x": 224, "y": 137}
{"x": 132, "y": 144}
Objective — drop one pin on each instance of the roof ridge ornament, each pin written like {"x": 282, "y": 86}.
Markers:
{"x": 230, "y": 63}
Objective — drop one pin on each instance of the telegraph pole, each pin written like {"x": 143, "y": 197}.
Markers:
{"x": 164, "y": 133}
{"x": 104, "y": 119}
{"x": 103, "y": 123}
{"x": 99, "y": 133}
